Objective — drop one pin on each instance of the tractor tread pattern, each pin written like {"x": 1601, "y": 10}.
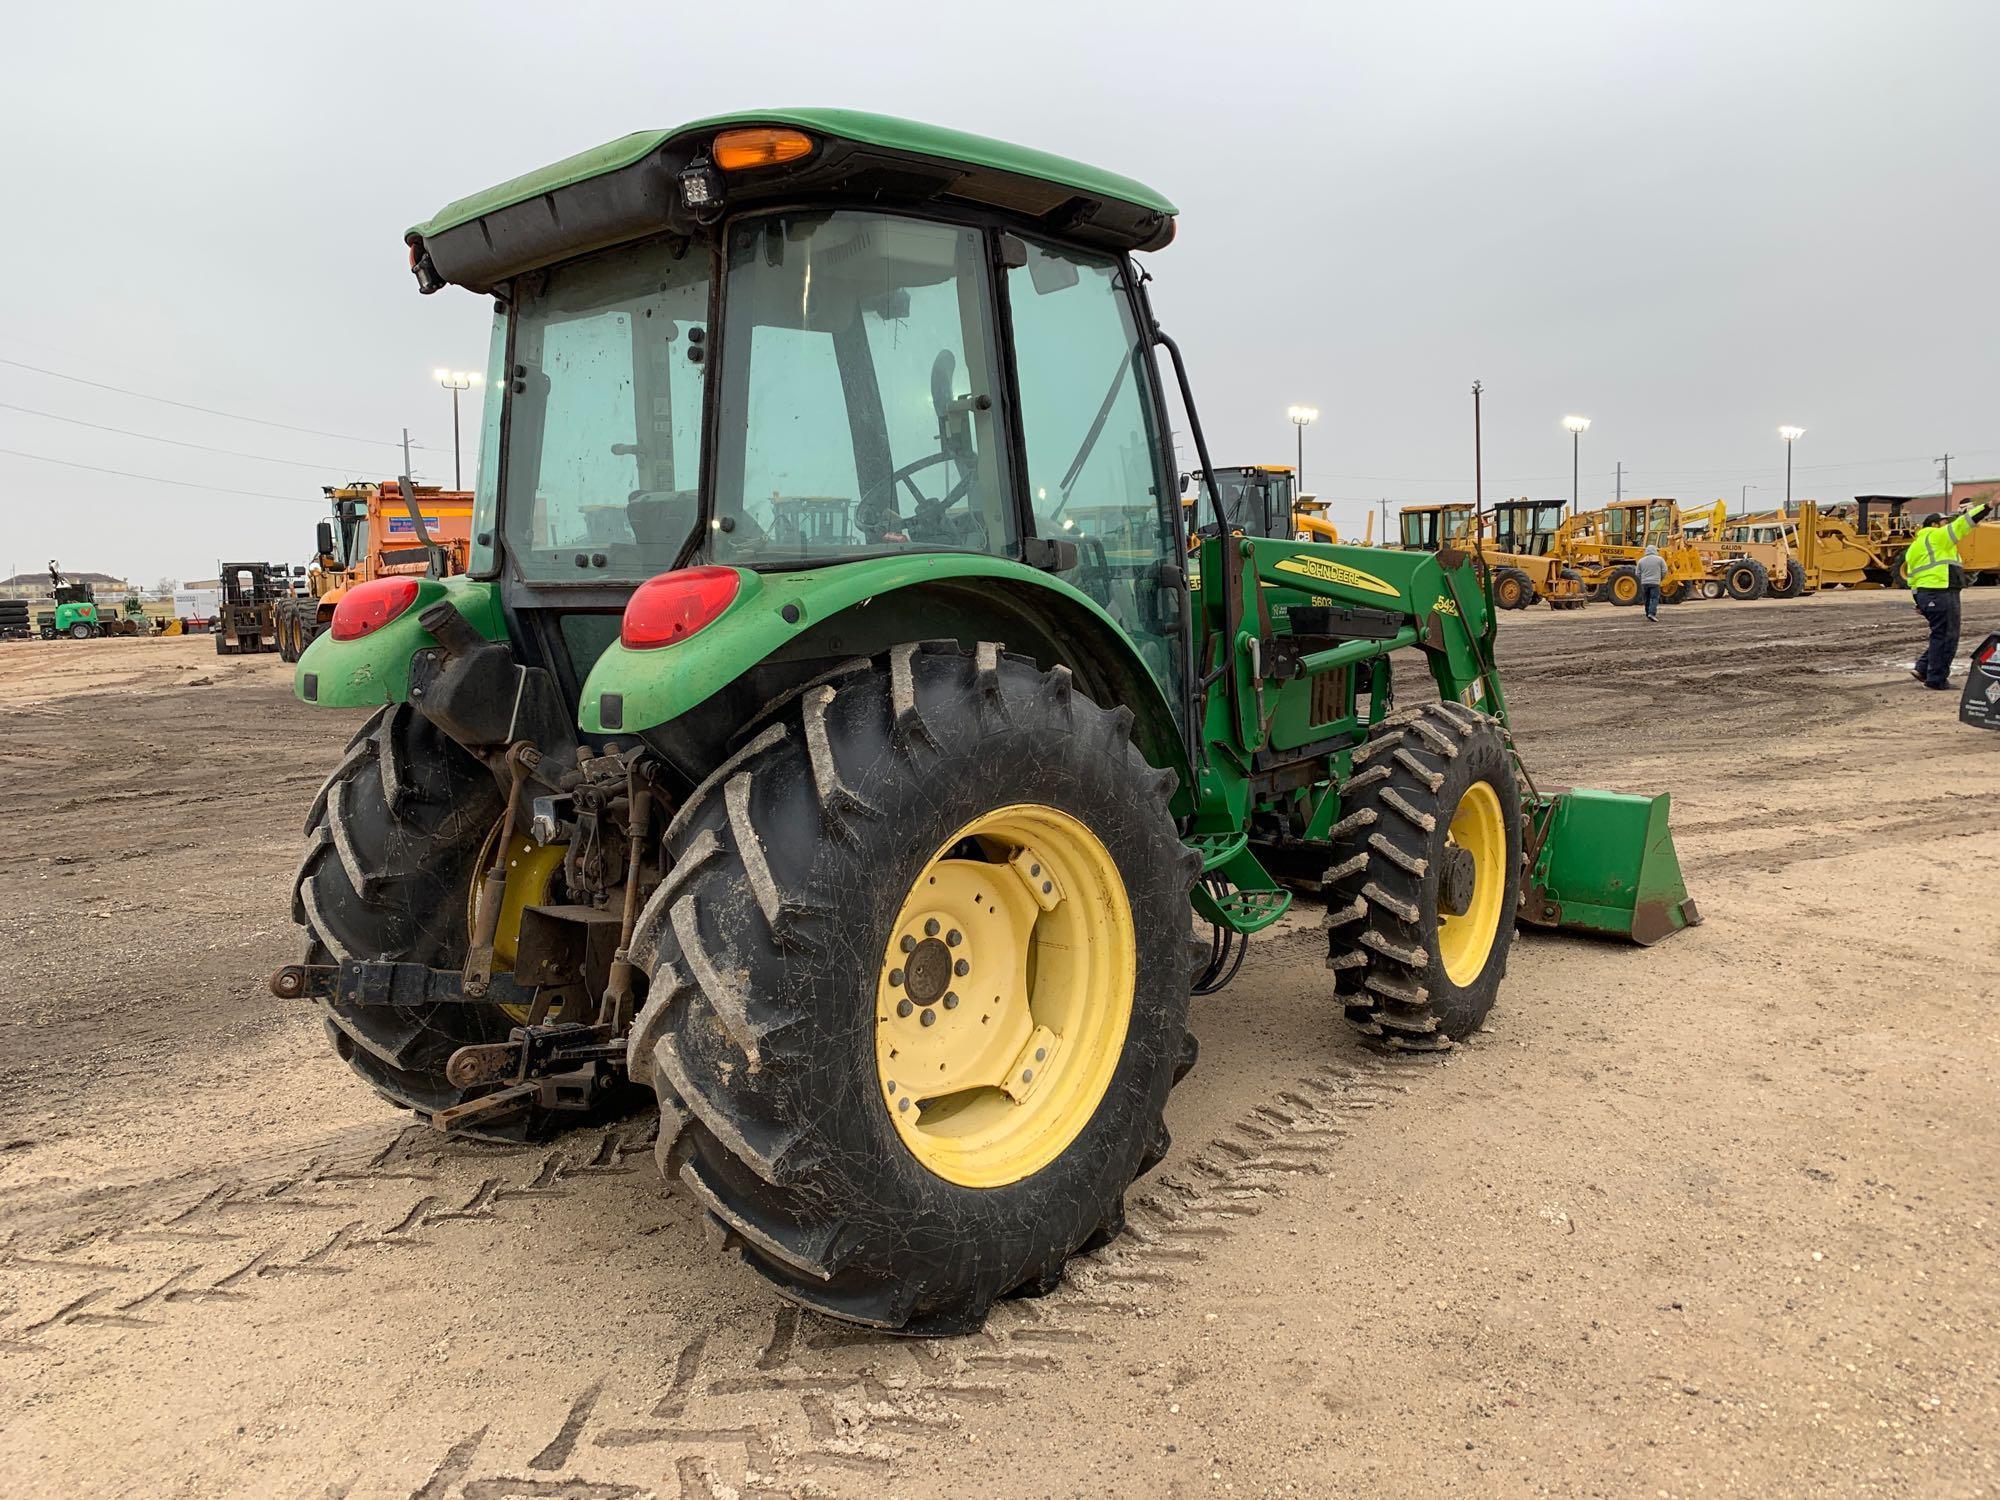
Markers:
{"x": 1375, "y": 907}
{"x": 729, "y": 1059}
{"x": 390, "y": 845}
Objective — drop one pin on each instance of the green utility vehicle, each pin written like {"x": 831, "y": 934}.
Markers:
{"x": 75, "y": 613}
{"x": 827, "y": 738}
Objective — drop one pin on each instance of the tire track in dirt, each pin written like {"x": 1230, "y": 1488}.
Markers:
{"x": 803, "y": 1403}
{"x": 820, "y": 1401}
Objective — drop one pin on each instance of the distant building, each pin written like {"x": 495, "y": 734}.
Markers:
{"x": 36, "y": 585}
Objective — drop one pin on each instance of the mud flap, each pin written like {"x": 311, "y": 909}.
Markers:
{"x": 1605, "y": 862}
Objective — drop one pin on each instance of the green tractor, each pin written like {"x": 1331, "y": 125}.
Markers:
{"x": 831, "y": 741}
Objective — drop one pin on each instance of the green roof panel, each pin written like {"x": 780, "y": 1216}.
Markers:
{"x": 883, "y": 131}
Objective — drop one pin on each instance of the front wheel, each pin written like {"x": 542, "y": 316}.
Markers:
{"x": 1622, "y": 587}
{"x": 1512, "y": 589}
{"x": 1745, "y": 579}
{"x": 919, "y": 987}
{"x": 1426, "y": 879}
{"x": 79, "y": 631}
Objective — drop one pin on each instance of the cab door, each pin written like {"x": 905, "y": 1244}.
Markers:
{"x": 1096, "y": 464}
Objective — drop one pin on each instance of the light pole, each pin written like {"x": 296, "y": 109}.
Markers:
{"x": 1791, "y": 435}
{"x": 1743, "y": 498}
{"x": 1302, "y": 417}
{"x": 1577, "y": 427}
{"x": 456, "y": 381}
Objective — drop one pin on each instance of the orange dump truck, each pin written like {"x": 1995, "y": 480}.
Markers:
{"x": 371, "y": 534}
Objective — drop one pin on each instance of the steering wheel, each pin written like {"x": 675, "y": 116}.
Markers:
{"x": 953, "y": 448}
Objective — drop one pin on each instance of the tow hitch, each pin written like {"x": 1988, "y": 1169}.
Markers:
{"x": 560, "y": 1065}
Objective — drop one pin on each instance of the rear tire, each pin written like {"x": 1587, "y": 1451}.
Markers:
{"x": 766, "y": 945}
{"x": 1410, "y": 979}
{"x": 1745, "y": 579}
{"x": 392, "y": 844}
{"x": 1512, "y": 589}
{"x": 79, "y": 631}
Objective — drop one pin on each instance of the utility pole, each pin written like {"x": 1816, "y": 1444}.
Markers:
{"x": 406, "y": 450}
{"x": 1946, "y": 462}
{"x": 1621, "y": 479}
{"x": 1478, "y": 469}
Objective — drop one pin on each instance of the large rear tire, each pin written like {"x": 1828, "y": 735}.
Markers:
{"x": 392, "y": 848}
{"x": 1426, "y": 879}
{"x": 793, "y": 981}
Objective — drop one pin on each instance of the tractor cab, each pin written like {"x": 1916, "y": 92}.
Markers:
{"x": 1431, "y": 528}
{"x": 1257, "y": 499}
{"x": 1886, "y": 518}
{"x": 1527, "y": 527}
{"x": 1639, "y": 523}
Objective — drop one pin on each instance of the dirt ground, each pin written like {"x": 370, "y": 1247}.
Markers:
{"x": 1715, "y": 1217}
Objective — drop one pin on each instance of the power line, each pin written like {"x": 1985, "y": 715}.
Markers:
{"x": 178, "y": 443}
{"x": 186, "y": 484}
{"x": 347, "y": 437}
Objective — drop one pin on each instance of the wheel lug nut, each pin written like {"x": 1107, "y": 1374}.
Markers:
{"x": 903, "y": 1007}
{"x": 904, "y": 1102}
{"x": 929, "y": 1017}
{"x": 908, "y": 944}
{"x": 961, "y": 968}
{"x": 951, "y": 999}
{"x": 896, "y": 978}
{"x": 1041, "y": 1054}
{"x": 931, "y": 927}
{"x": 953, "y": 938}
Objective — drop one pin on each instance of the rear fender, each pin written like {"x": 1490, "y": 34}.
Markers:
{"x": 861, "y": 608}
{"x": 376, "y": 668}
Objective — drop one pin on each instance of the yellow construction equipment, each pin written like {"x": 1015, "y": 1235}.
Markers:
{"x": 1516, "y": 539}
{"x": 1603, "y": 548}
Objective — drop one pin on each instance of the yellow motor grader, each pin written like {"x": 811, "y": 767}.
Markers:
{"x": 1515, "y": 538}
{"x": 1603, "y": 547}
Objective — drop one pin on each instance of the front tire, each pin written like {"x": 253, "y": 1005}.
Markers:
{"x": 1622, "y": 587}
{"x": 1745, "y": 579}
{"x": 1426, "y": 879}
{"x": 792, "y": 982}
{"x": 1512, "y": 589}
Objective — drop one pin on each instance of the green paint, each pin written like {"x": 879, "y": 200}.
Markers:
{"x": 376, "y": 668}
{"x": 664, "y": 682}
{"x": 885, "y": 131}
{"x": 1608, "y": 864}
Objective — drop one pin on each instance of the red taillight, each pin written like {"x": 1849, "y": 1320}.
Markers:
{"x": 675, "y": 605}
{"x": 367, "y": 607}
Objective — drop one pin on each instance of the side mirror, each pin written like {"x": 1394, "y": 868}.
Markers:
{"x": 325, "y": 538}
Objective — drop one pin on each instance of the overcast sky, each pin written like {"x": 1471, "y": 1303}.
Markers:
{"x": 1689, "y": 221}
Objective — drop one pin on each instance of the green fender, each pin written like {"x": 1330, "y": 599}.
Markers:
{"x": 376, "y": 668}
{"x": 772, "y": 610}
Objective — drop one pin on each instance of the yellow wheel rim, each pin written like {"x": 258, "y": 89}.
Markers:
{"x": 1624, "y": 588}
{"x": 532, "y": 869}
{"x": 1004, "y": 996}
{"x": 1478, "y": 827}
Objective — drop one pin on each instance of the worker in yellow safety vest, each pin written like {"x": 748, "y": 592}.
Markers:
{"x": 1931, "y": 567}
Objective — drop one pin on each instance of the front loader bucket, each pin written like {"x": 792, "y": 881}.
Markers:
{"x": 1605, "y": 862}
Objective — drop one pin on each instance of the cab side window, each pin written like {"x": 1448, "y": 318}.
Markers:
{"x": 1095, "y": 474}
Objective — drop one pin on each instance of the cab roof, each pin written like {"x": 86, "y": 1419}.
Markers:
{"x": 629, "y": 188}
